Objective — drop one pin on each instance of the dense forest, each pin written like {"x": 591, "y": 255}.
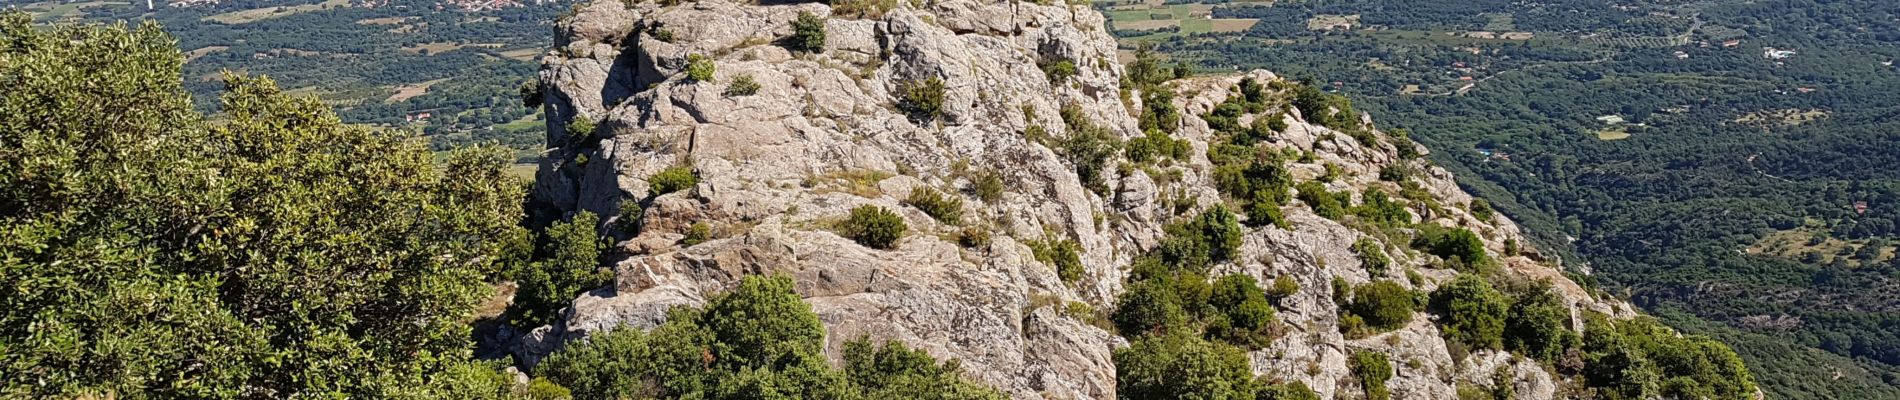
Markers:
{"x": 1736, "y": 192}
{"x": 386, "y": 65}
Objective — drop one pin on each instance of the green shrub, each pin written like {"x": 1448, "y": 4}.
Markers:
{"x": 1452, "y": 244}
{"x": 1537, "y": 325}
{"x": 696, "y": 234}
{"x": 1155, "y": 145}
{"x": 1158, "y": 112}
{"x": 1481, "y": 210}
{"x": 1373, "y": 369}
{"x": 742, "y": 85}
{"x": 1326, "y": 204}
{"x": 1213, "y": 237}
{"x": 1263, "y": 210}
{"x": 1294, "y": 390}
{"x": 1379, "y": 209}
{"x": 580, "y": 129}
{"x": 759, "y": 341}
{"x": 1397, "y": 173}
{"x": 630, "y": 214}
{"x": 1284, "y": 286}
{"x": 1148, "y": 306}
{"x": 1245, "y": 316}
{"x": 672, "y": 179}
{"x": 874, "y": 227}
{"x": 945, "y": 209}
{"x": 922, "y": 99}
{"x": 699, "y": 68}
{"x": 1472, "y": 312}
{"x": 1065, "y": 255}
{"x": 1372, "y": 256}
{"x": 808, "y": 33}
{"x": 544, "y": 389}
{"x": 1182, "y": 366}
{"x": 570, "y": 265}
{"x": 1059, "y": 71}
{"x": 1384, "y": 304}
{"x": 1088, "y": 147}
{"x": 988, "y": 185}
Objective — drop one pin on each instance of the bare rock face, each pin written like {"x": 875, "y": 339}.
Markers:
{"x": 823, "y": 134}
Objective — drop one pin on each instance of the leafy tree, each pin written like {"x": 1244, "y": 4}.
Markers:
{"x": 1326, "y": 204}
{"x": 1213, "y": 237}
{"x": 808, "y": 32}
{"x": 1182, "y": 366}
{"x": 1059, "y": 71}
{"x": 1459, "y": 244}
{"x": 571, "y": 265}
{"x": 1147, "y": 306}
{"x": 1384, "y": 304}
{"x": 873, "y": 226}
{"x": 269, "y": 251}
{"x": 1537, "y": 327}
{"x": 1473, "y": 312}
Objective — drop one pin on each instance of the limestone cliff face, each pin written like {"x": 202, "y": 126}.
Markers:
{"x": 823, "y": 135}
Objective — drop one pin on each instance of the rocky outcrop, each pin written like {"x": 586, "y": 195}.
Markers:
{"x": 822, "y": 134}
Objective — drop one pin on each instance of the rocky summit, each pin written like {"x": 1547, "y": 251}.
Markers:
{"x": 971, "y": 101}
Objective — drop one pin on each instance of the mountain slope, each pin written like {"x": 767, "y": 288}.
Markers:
{"x": 1019, "y": 113}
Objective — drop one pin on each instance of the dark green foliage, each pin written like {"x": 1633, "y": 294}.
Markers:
{"x": 1452, "y": 244}
{"x": 150, "y": 251}
{"x": 862, "y": 9}
{"x": 1378, "y": 208}
{"x": 1384, "y": 305}
{"x": 1146, "y": 307}
{"x": 698, "y": 233}
{"x": 1088, "y": 147}
{"x": 544, "y": 389}
{"x": 1063, "y": 254}
{"x": 629, "y": 220}
{"x": 874, "y": 227}
{"x": 1158, "y": 112}
{"x": 1059, "y": 71}
{"x": 1295, "y": 390}
{"x": 1263, "y": 210}
{"x": 1211, "y": 238}
{"x": 1538, "y": 326}
{"x": 759, "y": 341}
{"x": 1471, "y": 312}
{"x": 1642, "y": 359}
{"x": 945, "y": 209}
{"x": 700, "y": 68}
{"x": 1324, "y": 203}
{"x": 1146, "y": 71}
{"x": 922, "y": 98}
{"x": 1182, "y": 366}
{"x": 1245, "y": 318}
{"x": 1397, "y": 173}
{"x": 1371, "y": 256}
{"x": 531, "y": 93}
{"x": 1155, "y": 145}
{"x": 1481, "y": 210}
{"x": 1373, "y": 369}
{"x": 808, "y": 33}
{"x": 742, "y": 85}
{"x": 672, "y": 179}
{"x": 570, "y": 265}
{"x": 1332, "y": 111}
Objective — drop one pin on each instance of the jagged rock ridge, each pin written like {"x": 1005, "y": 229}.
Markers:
{"x": 823, "y": 135}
